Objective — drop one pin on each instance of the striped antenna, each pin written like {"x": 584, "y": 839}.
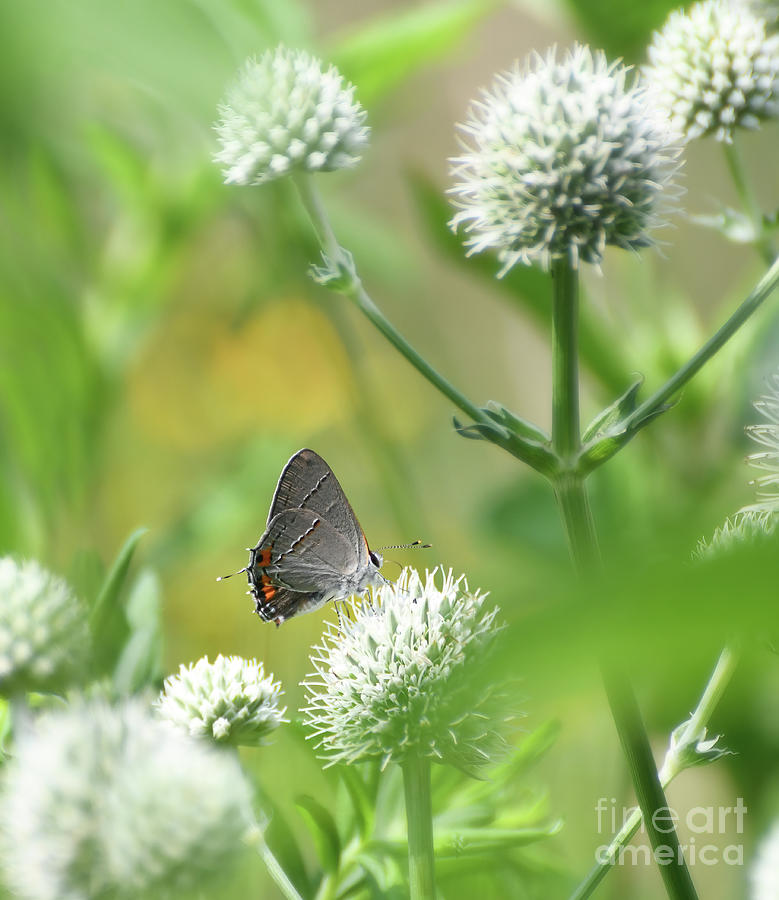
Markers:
{"x": 414, "y": 545}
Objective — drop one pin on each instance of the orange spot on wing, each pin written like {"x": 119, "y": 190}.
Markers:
{"x": 264, "y": 557}
{"x": 268, "y": 590}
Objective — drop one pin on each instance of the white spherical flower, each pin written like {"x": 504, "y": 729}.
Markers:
{"x": 103, "y": 801}
{"x": 287, "y": 113}
{"x": 764, "y": 875}
{"x": 565, "y": 157}
{"x": 230, "y": 700}
{"x": 714, "y": 68}
{"x": 401, "y": 677}
{"x": 44, "y": 635}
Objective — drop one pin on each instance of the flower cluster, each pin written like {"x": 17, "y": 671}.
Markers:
{"x": 44, "y": 636}
{"x": 230, "y": 700}
{"x": 566, "y": 157}
{"x": 715, "y": 68}
{"x": 403, "y": 676}
{"x": 286, "y": 113}
{"x": 105, "y": 801}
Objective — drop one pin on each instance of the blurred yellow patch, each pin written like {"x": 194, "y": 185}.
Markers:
{"x": 201, "y": 382}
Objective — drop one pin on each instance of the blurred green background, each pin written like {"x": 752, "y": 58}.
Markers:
{"x": 162, "y": 354}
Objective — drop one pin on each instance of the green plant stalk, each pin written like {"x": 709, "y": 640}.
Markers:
{"x": 571, "y": 494}
{"x": 569, "y": 486}
{"x": 646, "y": 783}
{"x": 356, "y": 292}
{"x": 419, "y": 815}
{"x": 275, "y": 870}
{"x": 699, "y": 720}
{"x": 761, "y": 292}
{"x": 748, "y": 200}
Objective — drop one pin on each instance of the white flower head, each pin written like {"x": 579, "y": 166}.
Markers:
{"x": 764, "y": 874}
{"x": 287, "y": 113}
{"x": 44, "y": 634}
{"x": 401, "y": 676}
{"x": 757, "y": 522}
{"x": 714, "y": 68}
{"x": 565, "y": 157}
{"x": 103, "y": 801}
{"x": 229, "y": 700}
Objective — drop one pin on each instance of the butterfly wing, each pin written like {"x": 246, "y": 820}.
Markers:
{"x": 307, "y": 482}
{"x": 277, "y": 604}
{"x": 301, "y": 551}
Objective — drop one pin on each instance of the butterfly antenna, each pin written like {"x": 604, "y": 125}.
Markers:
{"x": 239, "y": 572}
{"x": 414, "y": 545}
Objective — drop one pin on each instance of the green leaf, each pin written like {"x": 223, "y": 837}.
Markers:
{"x": 613, "y": 414}
{"x": 601, "y": 448}
{"x": 470, "y": 841}
{"x": 379, "y": 56}
{"x": 108, "y": 621}
{"x": 323, "y": 830}
{"x": 140, "y": 662}
{"x": 360, "y": 797}
{"x": 282, "y": 841}
{"x": 515, "y": 423}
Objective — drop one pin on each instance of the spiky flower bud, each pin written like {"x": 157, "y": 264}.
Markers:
{"x": 714, "y": 68}
{"x": 402, "y": 676}
{"x": 44, "y": 636}
{"x": 287, "y": 113}
{"x": 757, "y": 522}
{"x": 747, "y": 527}
{"x": 566, "y": 157}
{"x": 764, "y": 875}
{"x": 102, "y": 801}
{"x": 229, "y": 700}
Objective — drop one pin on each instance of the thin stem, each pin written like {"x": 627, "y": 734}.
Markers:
{"x": 649, "y": 791}
{"x": 715, "y": 688}
{"x": 574, "y": 507}
{"x": 355, "y": 290}
{"x": 699, "y": 720}
{"x": 565, "y": 338}
{"x": 275, "y": 870}
{"x": 763, "y": 289}
{"x": 570, "y": 490}
{"x": 419, "y": 815}
{"x": 748, "y": 200}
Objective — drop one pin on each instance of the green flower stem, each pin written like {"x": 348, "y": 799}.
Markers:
{"x": 646, "y": 783}
{"x": 355, "y": 291}
{"x": 762, "y": 290}
{"x": 275, "y": 870}
{"x": 419, "y": 815}
{"x": 749, "y": 201}
{"x": 569, "y": 486}
{"x": 565, "y": 327}
{"x": 571, "y": 494}
{"x": 698, "y": 721}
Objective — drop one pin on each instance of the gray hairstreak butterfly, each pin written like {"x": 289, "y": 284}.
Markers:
{"x": 313, "y": 549}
